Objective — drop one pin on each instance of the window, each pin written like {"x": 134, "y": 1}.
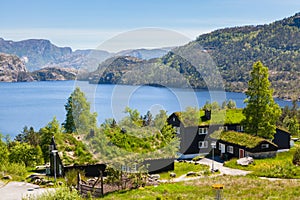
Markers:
{"x": 133, "y": 169}
{"x": 174, "y": 119}
{"x": 220, "y": 146}
{"x": 178, "y": 130}
{"x": 203, "y": 144}
{"x": 223, "y": 128}
{"x": 264, "y": 146}
{"x": 203, "y": 131}
{"x": 239, "y": 128}
{"x": 230, "y": 149}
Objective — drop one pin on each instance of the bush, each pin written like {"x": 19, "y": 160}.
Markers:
{"x": 296, "y": 157}
{"x": 71, "y": 177}
{"x": 16, "y": 170}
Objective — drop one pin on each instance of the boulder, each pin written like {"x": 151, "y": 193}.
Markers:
{"x": 172, "y": 175}
{"x": 155, "y": 176}
{"x": 245, "y": 161}
{"x": 191, "y": 173}
{"x": 50, "y": 184}
{"x": 7, "y": 177}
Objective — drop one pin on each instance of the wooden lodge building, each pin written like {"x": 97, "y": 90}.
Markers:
{"x": 196, "y": 139}
{"x": 58, "y": 168}
{"x": 56, "y": 164}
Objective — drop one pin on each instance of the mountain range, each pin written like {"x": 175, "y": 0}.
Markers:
{"x": 232, "y": 50}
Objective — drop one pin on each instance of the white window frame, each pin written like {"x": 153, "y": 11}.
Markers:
{"x": 223, "y": 128}
{"x": 203, "y": 144}
{"x": 220, "y": 146}
{"x": 230, "y": 149}
{"x": 222, "y": 150}
{"x": 202, "y": 131}
{"x": 242, "y": 128}
{"x": 239, "y": 128}
{"x": 178, "y": 130}
{"x": 264, "y": 146}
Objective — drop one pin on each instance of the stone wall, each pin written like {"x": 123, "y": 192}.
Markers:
{"x": 268, "y": 154}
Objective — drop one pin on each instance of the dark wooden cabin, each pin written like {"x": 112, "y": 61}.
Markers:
{"x": 282, "y": 139}
{"x": 196, "y": 140}
{"x": 236, "y": 144}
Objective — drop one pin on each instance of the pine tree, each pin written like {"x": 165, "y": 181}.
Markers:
{"x": 79, "y": 119}
{"x": 261, "y": 111}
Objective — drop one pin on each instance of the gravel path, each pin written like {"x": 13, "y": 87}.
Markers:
{"x": 16, "y": 190}
{"x": 222, "y": 169}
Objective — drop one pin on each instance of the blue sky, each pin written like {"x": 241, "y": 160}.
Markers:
{"x": 86, "y": 24}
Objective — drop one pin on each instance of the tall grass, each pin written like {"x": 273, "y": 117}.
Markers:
{"x": 63, "y": 193}
{"x": 17, "y": 171}
{"x": 234, "y": 188}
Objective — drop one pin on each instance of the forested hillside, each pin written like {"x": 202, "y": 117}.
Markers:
{"x": 277, "y": 45}
{"x": 233, "y": 50}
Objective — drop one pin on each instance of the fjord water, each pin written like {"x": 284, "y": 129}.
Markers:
{"x": 36, "y": 103}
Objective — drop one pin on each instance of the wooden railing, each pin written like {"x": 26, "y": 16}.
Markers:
{"x": 86, "y": 189}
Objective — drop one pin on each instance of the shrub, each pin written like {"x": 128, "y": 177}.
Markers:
{"x": 16, "y": 170}
{"x": 296, "y": 157}
{"x": 71, "y": 177}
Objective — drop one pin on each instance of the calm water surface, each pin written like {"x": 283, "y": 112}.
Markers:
{"x": 36, "y": 103}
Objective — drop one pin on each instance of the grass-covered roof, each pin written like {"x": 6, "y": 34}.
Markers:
{"x": 238, "y": 138}
{"x": 222, "y": 116}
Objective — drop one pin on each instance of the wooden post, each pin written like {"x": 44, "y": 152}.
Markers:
{"x": 78, "y": 182}
{"x": 218, "y": 188}
{"x": 101, "y": 175}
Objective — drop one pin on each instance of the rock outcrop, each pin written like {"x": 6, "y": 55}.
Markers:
{"x": 12, "y": 69}
{"x": 54, "y": 74}
{"x": 35, "y": 52}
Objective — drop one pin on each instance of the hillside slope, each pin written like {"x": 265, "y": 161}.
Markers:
{"x": 277, "y": 45}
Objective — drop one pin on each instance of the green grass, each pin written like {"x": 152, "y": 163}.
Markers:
{"x": 243, "y": 187}
{"x": 67, "y": 143}
{"x": 182, "y": 168}
{"x": 242, "y": 139}
{"x": 228, "y": 116}
{"x": 234, "y": 188}
{"x": 17, "y": 171}
{"x": 280, "y": 166}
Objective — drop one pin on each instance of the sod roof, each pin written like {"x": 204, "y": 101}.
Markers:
{"x": 224, "y": 116}
{"x": 238, "y": 138}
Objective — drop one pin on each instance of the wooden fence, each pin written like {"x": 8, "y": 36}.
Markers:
{"x": 85, "y": 189}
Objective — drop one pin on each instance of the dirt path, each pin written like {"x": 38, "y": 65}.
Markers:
{"x": 16, "y": 190}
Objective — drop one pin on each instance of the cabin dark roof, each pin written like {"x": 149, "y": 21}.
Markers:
{"x": 238, "y": 138}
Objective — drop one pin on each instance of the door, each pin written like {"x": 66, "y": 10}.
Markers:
{"x": 241, "y": 153}
{"x": 222, "y": 148}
